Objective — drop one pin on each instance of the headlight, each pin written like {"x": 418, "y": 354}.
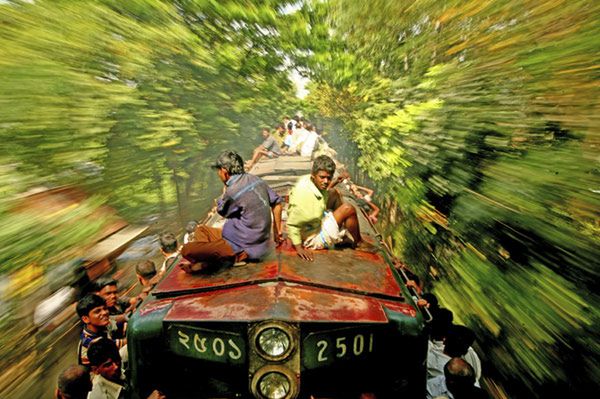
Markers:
{"x": 273, "y": 342}
{"x": 274, "y": 385}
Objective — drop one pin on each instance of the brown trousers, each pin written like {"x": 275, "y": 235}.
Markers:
{"x": 210, "y": 247}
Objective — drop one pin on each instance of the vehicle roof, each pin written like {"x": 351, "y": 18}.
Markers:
{"x": 343, "y": 270}
{"x": 340, "y": 284}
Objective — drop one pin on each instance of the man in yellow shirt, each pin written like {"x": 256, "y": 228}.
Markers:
{"x": 316, "y": 215}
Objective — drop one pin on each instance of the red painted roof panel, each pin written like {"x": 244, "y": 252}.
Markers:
{"x": 279, "y": 301}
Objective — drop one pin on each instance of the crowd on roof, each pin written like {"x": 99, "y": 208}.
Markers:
{"x": 321, "y": 214}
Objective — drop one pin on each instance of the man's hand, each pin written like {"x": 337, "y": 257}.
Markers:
{"x": 156, "y": 394}
{"x": 373, "y": 218}
{"x": 413, "y": 284}
{"x": 303, "y": 253}
{"x": 278, "y": 237}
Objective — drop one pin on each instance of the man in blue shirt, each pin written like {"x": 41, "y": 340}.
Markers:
{"x": 247, "y": 204}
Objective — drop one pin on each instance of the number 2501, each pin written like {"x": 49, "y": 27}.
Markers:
{"x": 343, "y": 346}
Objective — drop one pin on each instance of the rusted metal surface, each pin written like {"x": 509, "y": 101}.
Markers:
{"x": 345, "y": 269}
{"x": 400, "y": 307}
{"x": 154, "y": 306}
{"x": 277, "y": 301}
{"x": 178, "y": 281}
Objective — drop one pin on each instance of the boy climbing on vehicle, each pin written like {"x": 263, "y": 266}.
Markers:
{"x": 316, "y": 214}
{"x": 94, "y": 314}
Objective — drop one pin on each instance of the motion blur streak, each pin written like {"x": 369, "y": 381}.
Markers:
{"x": 477, "y": 121}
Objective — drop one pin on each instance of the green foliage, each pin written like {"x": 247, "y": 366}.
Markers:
{"x": 477, "y": 121}
{"x": 131, "y": 100}
{"x": 146, "y": 93}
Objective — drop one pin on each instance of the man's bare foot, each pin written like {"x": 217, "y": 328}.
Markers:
{"x": 366, "y": 247}
{"x": 190, "y": 267}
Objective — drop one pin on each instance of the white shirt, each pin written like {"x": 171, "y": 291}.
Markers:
{"x": 104, "y": 389}
{"x": 298, "y": 138}
{"x": 436, "y": 387}
{"x": 437, "y": 359}
{"x": 472, "y": 358}
{"x": 309, "y": 144}
{"x": 167, "y": 261}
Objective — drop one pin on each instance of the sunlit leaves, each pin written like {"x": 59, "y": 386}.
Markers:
{"x": 479, "y": 120}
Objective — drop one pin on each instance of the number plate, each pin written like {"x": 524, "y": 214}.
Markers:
{"x": 218, "y": 346}
{"x": 324, "y": 348}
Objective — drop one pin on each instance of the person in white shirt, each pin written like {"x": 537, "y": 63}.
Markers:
{"x": 298, "y": 137}
{"x": 436, "y": 359}
{"x": 457, "y": 382}
{"x": 310, "y": 142}
{"x": 108, "y": 381}
{"x": 457, "y": 343}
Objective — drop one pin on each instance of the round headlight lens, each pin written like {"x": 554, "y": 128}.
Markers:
{"x": 274, "y": 386}
{"x": 273, "y": 341}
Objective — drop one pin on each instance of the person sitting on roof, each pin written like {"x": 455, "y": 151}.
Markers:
{"x": 310, "y": 142}
{"x": 189, "y": 231}
{"x": 279, "y": 135}
{"x": 364, "y": 201}
{"x": 315, "y": 214}
{"x": 247, "y": 204}
{"x": 269, "y": 148}
{"x": 288, "y": 140}
{"x": 298, "y": 138}
{"x": 170, "y": 250}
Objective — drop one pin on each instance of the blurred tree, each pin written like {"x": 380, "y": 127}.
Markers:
{"x": 479, "y": 120}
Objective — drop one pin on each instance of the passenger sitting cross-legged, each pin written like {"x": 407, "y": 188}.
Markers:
{"x": 247, "y": 204}
{"x": 316, "y": 214}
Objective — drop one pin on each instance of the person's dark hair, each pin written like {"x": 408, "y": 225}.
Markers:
{"x": 434, "y": 305}
{"x": 74, "y": 383}
{"x": 308, "y": 126}
{"x": 102, "y": 350}
{"x": 103, "y": 282}
{"x": 458, "y": 340}
{"x": 460, "y": 376}
{"x": 266, "y": 129}
{"x": 146, "y": 269}
{"x": 280, "y": 126}
{"x": 168, "y": 242}
{"x": 231, "y": 161}
{"x": 89, "y": 302}
{"x": 323, "y": 162}
{"x": 441, "y": 323}
{"x": 191, "y": 226}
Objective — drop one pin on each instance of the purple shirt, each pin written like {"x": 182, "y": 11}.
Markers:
{"x": 246, "y": 204}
